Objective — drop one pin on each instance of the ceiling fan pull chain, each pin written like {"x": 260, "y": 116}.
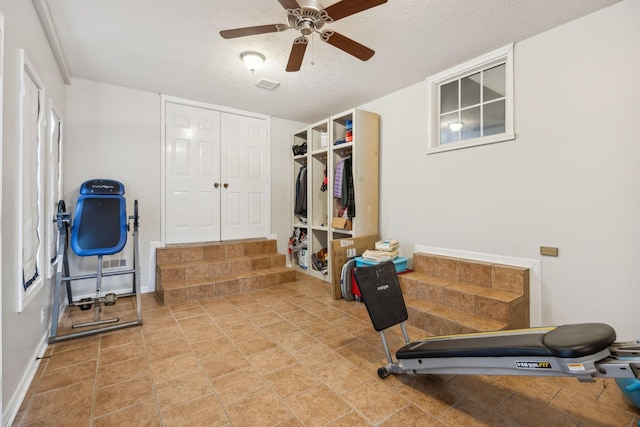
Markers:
{"x": 313, "y": 50}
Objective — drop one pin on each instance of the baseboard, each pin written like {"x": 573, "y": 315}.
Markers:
{"x": 534, "y": 266}
{"x": 13, "y": 405}
{"x": 151, "y": 284}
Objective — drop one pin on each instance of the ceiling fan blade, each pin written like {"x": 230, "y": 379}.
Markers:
{"x": 297, "y": 53}
{"x": 346, "y": 44}
{"x": 289, "y": 4}
{"x": 250, "y": 31}
{"x": 345, "y": 8}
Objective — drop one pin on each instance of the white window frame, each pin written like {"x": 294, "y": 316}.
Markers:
{"x": 27, "y": 71}
{"x": 503, "y": 55}
{"x": 1, "y": 194}
{"x": 53, "y": 161}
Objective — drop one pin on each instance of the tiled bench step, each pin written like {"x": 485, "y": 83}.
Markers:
{"x": 214, "y": 250}
{"x": 194, "y": 289}
{"x": 203, "y": 269}
{"x": 439, "y": 319}
{"x": 489, "y": 275}
{"x": 502, "y": 306}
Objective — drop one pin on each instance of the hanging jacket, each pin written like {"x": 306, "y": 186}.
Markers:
{"x": 348, "y": 189}
{"x": 301, "y": 192}
{"x": 337, "y": 182}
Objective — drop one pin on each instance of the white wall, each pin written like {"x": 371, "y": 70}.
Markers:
{"x": 23, "y": 334}
{"x": 570, "y": 179}
{"x": 114, "y": 132}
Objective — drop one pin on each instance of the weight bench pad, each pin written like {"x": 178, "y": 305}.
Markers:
{"x": 567, "y": 341}
{"x": 579, "y": 340}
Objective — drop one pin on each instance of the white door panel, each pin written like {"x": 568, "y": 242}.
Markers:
{"x": 180, "y": 209}
{"x": 255, "y": 209}
{"x": 192, "y": 170}
{"x": 244, "y": 144}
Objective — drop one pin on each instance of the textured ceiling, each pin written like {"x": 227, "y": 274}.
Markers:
{"x": 174, "y": 47}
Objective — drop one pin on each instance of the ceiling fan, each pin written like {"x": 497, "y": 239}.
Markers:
{"x": 307, "y": 17}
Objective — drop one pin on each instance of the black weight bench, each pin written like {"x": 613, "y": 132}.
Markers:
{"x": 583, "y": 351}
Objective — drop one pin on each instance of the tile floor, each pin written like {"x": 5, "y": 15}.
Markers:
{"x": 283, "y": 356}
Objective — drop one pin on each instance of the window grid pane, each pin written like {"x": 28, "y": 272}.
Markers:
{"x": 449, "y": 97}
{"x": 493, "y": 86}
{"x": 471, "y": 124}
{"x": 470, "y": 90}
{"x": 476, "y": 103}
{"x": 448, "y": 132}
{"x": 494, "y": 118}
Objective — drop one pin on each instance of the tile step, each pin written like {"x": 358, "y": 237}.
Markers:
{"x": 214, "y": 250}
{"x": 195, "y": 289}
{"x": 494, "y": 304}
{"x": 208, "y": 269}
{"x": 438, "y": 319}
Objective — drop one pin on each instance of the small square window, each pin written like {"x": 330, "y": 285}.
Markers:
{"x": 472, "y": 104}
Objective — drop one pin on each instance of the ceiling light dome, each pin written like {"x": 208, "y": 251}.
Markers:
{"x": 252, "y": 60}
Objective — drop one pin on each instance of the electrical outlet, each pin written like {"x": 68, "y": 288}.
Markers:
{"x": 42, "y": 315}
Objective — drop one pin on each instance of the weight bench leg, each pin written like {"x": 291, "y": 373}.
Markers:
{"x": 404, "y": 333}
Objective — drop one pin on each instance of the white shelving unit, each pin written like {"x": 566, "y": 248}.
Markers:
{"x": 322, "y": 156}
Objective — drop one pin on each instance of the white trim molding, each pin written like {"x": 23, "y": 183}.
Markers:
{"x": 166, "y": 99}
{"x": 1, "y": 198}
{"x": 42, "y": 9}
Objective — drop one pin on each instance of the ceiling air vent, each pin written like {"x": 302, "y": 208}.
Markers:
{"x": 267, "y": 84}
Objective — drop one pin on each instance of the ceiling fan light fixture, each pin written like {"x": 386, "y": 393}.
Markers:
{"x": 252, "y": 60}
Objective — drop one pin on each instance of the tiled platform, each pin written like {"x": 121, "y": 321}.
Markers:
{"x": 199, "y": 271}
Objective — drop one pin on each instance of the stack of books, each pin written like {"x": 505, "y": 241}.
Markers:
{"x": 386, "y": 250}
{"x": 387, "y": 245}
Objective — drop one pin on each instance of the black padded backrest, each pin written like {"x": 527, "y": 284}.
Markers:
{"x": 382, "y": 294}
{"x": 101, "y": 223}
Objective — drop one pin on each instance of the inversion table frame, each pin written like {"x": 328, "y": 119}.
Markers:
{"x": 63, "y": 220}
{"x": 583, "y": 351}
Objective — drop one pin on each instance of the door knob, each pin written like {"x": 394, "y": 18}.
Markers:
{"x": 217, "y": 184}
{"x": 226, "y": 185}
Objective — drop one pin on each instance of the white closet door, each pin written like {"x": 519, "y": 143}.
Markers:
{"x": 244, "y": 194}
{"x": 192, "y": 143}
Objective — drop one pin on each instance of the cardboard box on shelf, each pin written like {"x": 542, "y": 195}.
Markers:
{"x": 341, "y": 251}
{"x": 341, "y": 223}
